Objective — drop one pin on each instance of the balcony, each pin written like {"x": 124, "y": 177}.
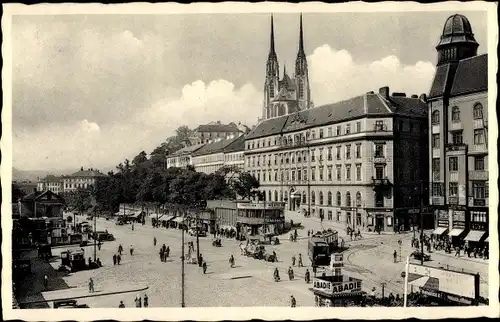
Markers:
{"x": 379, "y": 182}
{"x": 380, "y": 128}
{"x": 437, "y": 200}
{"x": 456, "y": 147}
{"x": 478, "y": 175}
{"x": 480, "y": 202}
{"x": 478, "y": 148}
{"x": 453, "y": 200}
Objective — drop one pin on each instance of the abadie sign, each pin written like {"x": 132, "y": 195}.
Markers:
{"x": 337, "y": 288}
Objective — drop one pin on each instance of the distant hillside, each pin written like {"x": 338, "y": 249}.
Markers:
{"x": 21, "y": 175}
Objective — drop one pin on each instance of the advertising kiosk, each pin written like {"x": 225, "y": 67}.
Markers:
{"x": 334, "y": 289}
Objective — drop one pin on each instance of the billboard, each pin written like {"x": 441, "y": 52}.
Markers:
{"x": 441, "y": 280}
{"x": 345, "y": 287}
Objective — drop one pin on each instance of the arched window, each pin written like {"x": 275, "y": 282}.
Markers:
{"x": 339, "y": 198}
{"x": 321, "y": 198}
{"x": 304, "y": 198}
{"x": 275, "y": 195}
{"x": 435, "y": 117}
{"x": 348, "y": 199}
{"x": 478, "y": 111}
{"x": 270, "y": 198}
{"x": 358, "y": 199}
{"x": 329, "y": 198}
{"x": 313, "y": 198}
{"x": 276, "y": 177}
{"x": 455, "y": 114}
{"x": 281, "y": 195}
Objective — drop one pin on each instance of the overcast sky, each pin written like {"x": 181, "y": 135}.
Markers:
{"x": 92, "y": 90}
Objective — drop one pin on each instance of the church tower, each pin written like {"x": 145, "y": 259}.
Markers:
{"x": 302, "y": 74}
{"x": 271, "y": 87}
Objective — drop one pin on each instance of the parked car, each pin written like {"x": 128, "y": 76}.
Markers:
{"x": 419, "y": 255}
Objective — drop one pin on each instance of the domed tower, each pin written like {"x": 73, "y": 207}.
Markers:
{"x": 457, "y": 40}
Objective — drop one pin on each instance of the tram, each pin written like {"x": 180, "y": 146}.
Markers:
{"x": 319, "y": 251}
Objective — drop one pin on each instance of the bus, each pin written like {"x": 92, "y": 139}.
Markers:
{"x": 319, "y": 251}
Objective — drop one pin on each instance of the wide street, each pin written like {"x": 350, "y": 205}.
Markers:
{"x": 250, "y": 283}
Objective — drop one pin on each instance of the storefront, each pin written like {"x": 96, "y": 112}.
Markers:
{"x": 260, "y": 218}
{"x": 478, "y": 229}
{"x": 457, "y": 232}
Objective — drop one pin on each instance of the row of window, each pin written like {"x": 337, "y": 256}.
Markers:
{"x": 322, "y": 153}
{"x": 479, "y": 165}
{"x": 477, "y": 113}
{"x": 79, "y": 180}
{"x": 302, "y": 174}
{"x": 457, "y": 137}
{"x": 479, "y": 189}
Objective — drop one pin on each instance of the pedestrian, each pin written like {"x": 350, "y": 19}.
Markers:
{"x": 293, "y": 260}
{"x": 457, "y": 251}
{"x": 121, "y": 306}
{"x": 46, "y": 282}
{"x": 307, "y": 276}
{"x": 204, "y": 267}
{"x": 99, "y": 245}
{"x": 146, "y": 300}
{"x": 91, "y": 285}
{"x": 300, "y": 261}
{"x": 395, "y": 256}
{"x": 231, "y": 260}
{"x": 162, "y": 255}
{"x": 293, "y": 302}
{"x": 90, "y": 261}
{"x": 154, "y": 241}
{"x": 167, "y": 252}
{"x": 118, "y": 259}
{"x": 200, "y": 260}
{"x": 290, "y": 273}
{"x": 132, "y": 226}
{"x": 138, "y": 301}
{"x": 120, "y": 249}
{"x": 131, "y": 250}
{"x": 308, "y": 233}
{"x": 114, "y": 259}
{"x": 351, "y": 233}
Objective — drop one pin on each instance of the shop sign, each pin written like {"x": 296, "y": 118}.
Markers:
{"x": 322, "y": 285}
{"x": 458, "y": 215}
{"x": 346, "y": 287}
{"x": 443, "y": 215}
{"x": 268, "y": 205}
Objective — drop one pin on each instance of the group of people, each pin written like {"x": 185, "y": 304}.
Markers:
{"x": 299, "y": 262}
{"x": 164, "y": 253}
{"x": 353, "y": 233}
{"x": 139, "y": 302}
{"x": 293, "y": 236}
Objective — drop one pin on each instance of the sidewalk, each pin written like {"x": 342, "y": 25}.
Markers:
{"x": 316, "y": 224}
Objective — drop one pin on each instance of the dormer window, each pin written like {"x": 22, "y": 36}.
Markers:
{"x": 455, "y": 114}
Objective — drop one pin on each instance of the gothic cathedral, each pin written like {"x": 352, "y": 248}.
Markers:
{"x": 288, "y": 95}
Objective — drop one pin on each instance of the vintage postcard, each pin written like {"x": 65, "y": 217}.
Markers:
{"x": 249, "y": 160}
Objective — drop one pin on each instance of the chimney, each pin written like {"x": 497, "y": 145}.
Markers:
{"x": 414, "y": 96}
{"x": 81, "y": 169}
{"x": 423, "y": 97}
{"x": 384, "y": 91}
{"x": 398, "y": 94}
{"x": 370, "y": 92}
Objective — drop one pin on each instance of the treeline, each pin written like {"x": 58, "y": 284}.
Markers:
{"x": 147, "y": 180}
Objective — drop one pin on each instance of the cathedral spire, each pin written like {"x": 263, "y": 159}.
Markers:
{"x": 284, "y": 69}
{"x": 271, "y": 49}
{"x": 301, "y": 39}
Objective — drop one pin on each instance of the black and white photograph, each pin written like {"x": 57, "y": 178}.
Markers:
{"x": 255, "y": 155}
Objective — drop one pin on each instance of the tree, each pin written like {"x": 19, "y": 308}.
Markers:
{"x": 17, "y": 193}
{"x": 81, "y": 199}
{"x": 246, "y": 185}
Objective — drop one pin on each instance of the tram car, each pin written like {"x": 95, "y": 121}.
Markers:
{"x": 319, "y": 251}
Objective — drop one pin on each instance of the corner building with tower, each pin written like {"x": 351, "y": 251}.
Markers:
{"x": 458, "y": 136}
{"x": 355, "y": 162}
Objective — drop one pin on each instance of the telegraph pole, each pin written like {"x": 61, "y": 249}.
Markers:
{"x": 197, "y": 235}
{"x": 383, "y": 289}
{"x": 95, "y": 237}
{"x": 422, "y": 221}
{"x": 183, "y": 304}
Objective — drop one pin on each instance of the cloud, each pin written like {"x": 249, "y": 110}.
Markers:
{"x": 110, "y": 125}
{"x": 334, "y": 75}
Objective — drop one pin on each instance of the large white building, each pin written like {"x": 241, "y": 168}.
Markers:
{"x": 81, "y": 179}
{"x": 213, "y": 156}
{"x": 355, "y": 162}
{"x": 51, "y": 183}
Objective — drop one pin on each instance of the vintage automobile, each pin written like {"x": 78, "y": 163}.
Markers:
{"x": 74, "y": 260}
{"x": 104, "y": 236}
{"x": 68, "y": 304}
{"x": 418, "y": 256}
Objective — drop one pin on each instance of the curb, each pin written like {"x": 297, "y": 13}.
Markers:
{"x": 85, "y": 296}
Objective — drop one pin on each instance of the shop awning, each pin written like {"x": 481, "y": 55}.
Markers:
{"x": 455, "y": 232}
{"x": 136, "y": 214}
{"x": 229, "y": 227}
{"x": 178, "y": 219}
{"x": 475, "y": 235}
{"x": 487, "y": 239}
{"x": 167, "y": 217}
{"x": 440, "y": 230}
{"x": 153, "y": 216}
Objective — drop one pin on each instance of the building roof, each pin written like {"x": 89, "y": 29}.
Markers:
{"x": 87, "y": 173}
{"x": 457, "y": 29}
{"x": 367, "y": 104}
{"x": 471, "y": 76}
{"x": 218, "y": 128}
{"x": 188, "y": 149}
{"x": 43, "y": 196}
{"x": 236, "y": 146}
{"x": 52, "y": 178}
{"x": 215, "y": 147}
